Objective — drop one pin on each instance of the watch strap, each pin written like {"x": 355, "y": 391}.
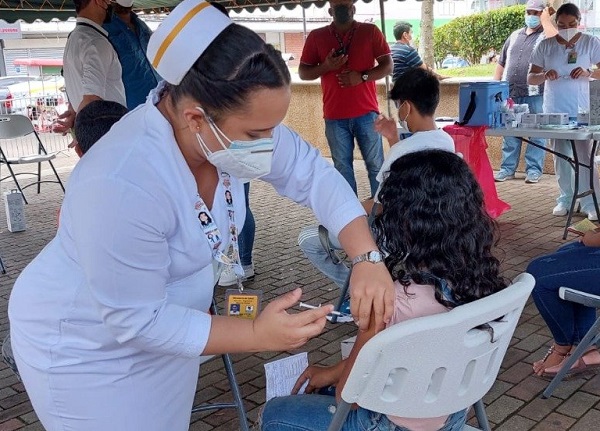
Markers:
{"x": 373, "y": 256}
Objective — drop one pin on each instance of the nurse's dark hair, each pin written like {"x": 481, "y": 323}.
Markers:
{"x": 434, "y": 220}
{"x": 569, "y": 9}
{"x": 236, "y": 64}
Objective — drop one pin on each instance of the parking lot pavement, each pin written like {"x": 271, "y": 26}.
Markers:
{"x": 513, "y": 404}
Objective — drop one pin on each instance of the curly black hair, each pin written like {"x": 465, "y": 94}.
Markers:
{"x": 434, "y": 221}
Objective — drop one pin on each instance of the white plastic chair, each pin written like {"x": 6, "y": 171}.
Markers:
{"x": 18, "y": 126}
{"x": 590, "y": 338}
{"x": 436, "y": 365}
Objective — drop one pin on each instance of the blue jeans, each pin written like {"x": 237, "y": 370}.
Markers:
{"x": 511, "y": 146}
{"x": 310, "y": 244}
{"x": 314, "y": 413}
{"x": 246, "y": 236}
{"x": 573, "y": 265}
{"x": 340, "y": 136}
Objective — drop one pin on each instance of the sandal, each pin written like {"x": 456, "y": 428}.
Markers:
{"x": 551, "y": 351}
{"x": 579, "y": 367}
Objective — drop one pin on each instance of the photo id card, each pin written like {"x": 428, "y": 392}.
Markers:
{"x": 572, "y": 57}
{"x": 245, "y": 304}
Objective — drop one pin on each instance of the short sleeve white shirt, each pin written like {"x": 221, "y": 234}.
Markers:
{"x": 566, "y": 94}
{"x": 429, "y": 140}
{"x": 91, "y": 65}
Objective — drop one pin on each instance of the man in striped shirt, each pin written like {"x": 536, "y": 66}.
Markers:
{"x": 405, "y": 56}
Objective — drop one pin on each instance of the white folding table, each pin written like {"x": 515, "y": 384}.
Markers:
{"x": 571, "y": 135}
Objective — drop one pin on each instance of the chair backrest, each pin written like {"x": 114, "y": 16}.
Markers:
{"x": 14, "y": 126}
{"x": 440, "y": 364}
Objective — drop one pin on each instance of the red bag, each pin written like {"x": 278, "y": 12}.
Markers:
{"x": 471, "y": 143}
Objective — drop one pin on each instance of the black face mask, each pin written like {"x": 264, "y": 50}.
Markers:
{"x": 342, "y": 14}
{"x": 109, "y": 13}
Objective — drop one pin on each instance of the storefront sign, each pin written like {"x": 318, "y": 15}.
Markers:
{"x": 10, "y": 31}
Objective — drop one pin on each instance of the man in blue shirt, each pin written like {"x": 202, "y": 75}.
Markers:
{"x": 129, "y": 36}
{"x": 405, "y": 56}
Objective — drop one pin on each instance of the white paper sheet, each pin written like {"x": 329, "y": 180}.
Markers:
{"x": 283, "y": 373}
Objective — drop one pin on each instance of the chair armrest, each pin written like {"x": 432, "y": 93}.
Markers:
{"x": 579, "y": 297}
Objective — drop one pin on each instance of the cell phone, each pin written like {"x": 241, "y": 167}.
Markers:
{"x": 339, "y": 51}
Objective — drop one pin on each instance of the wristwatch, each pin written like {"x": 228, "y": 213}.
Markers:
{"x": 373, "y": 256}
{"x": 365, "y": 76}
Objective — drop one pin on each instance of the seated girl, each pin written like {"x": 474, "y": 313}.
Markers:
{"x": 574, "y": 265}
{"x": 438, "y": 240}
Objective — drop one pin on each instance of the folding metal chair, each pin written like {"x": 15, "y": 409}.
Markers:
{"x": 237, "y": 402}
{"x": 436, "y": 365}
{"x": 19, "y": 126}
{"x": 590, "y": 338}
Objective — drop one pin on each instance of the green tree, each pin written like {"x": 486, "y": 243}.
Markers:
{"x": 473, "y": 35}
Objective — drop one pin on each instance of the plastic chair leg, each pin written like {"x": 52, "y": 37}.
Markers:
{"x": 341, "y": 412}
{"x": 482, "y": 419}
{"x": 590, "y": 338}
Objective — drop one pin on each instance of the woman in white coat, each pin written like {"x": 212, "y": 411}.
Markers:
{"x": 563, "y": 63}
{"x": 108, "y": 322}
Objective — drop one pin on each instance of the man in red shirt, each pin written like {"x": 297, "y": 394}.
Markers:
{"x": 349, "y": 57}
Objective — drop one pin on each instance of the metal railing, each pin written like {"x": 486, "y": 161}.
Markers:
{"x": 43, "y": 112}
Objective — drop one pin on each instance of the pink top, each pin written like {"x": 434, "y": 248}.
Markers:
{"x": 419, "y": 302}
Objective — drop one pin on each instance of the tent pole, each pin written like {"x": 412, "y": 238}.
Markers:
{"x": 2, "y": 60}
{"x": 387, "y": 77}
{"x": 303, "y": 20}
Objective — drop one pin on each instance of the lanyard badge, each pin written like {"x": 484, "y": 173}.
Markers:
{"x": 572, "y": 57}
{"x": 240, "y": 303}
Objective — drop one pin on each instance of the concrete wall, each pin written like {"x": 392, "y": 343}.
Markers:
{"x": 306, "y": 116}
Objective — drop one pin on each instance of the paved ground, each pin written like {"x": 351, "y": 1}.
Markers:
{"x": 513, "y": 404}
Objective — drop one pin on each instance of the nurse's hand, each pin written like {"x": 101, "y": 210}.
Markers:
{"x": 580, "y": 72}
{"x": 551, "y": 75}
{"x": 371, "y": 291}
{"x": 277, "y": 330}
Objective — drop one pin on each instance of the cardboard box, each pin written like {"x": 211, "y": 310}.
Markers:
{"x": 529, "y": 118}
{"x": 15, "y": 211}
{"x": 542, "y": 119}
{"x": 507, "y": 118}
{"x": 347, "y": 347}
{"x": 583, "y": 118}
{"x": 558, "y": 119}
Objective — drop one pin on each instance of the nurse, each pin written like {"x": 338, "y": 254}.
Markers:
{"x": 108, "y": 322}
{"x": 563, "y": 63}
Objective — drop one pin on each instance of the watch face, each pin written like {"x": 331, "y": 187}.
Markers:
{"x": 374, "y": 256}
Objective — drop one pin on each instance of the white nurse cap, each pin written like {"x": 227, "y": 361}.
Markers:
{"x": 182, "y": 38}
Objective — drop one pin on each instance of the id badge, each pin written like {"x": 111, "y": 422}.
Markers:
{"x": 572, "y": 57}
{"x": 245, "y": 304}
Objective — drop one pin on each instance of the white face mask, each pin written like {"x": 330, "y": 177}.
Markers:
{"x": 245, "y": 160}
{"x": 568, "y": 33}
{"x": 403, "y": 123}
